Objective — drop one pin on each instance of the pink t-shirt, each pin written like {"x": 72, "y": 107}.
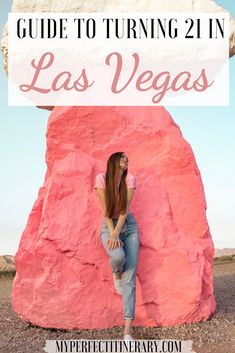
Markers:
{"x": 100, "y": 181}
{"x": 130, "y": 182}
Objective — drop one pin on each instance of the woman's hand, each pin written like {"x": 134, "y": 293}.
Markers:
{"x": 114, "y": 241}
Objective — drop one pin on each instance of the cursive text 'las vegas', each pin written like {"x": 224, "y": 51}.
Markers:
{"x": 147, "y": 80}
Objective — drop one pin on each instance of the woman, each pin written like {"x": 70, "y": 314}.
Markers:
{"x": 119, "y": 231}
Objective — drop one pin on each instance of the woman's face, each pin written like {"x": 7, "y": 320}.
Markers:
{"x": 124, "y": 162}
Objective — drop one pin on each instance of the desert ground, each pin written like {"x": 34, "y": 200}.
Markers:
{"x": 216, "y": 335}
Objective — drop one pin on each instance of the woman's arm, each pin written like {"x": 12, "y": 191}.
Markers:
{"x": 122, "y": 218}
{"x": 109, "y": 221}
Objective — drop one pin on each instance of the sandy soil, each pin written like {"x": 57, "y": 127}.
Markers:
{"x": 216, "y": 335}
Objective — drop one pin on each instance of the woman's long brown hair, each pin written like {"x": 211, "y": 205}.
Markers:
{"x": 115, "y": 197}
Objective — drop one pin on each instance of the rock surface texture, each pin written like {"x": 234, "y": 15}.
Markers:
{"x": 63, "y": 277}
{"x": 118, "y": 6}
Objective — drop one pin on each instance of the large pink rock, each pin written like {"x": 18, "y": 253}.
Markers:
{"x": 63, "y": 276}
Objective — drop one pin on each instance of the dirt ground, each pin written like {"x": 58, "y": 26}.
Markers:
{"x": 216, "y": 335}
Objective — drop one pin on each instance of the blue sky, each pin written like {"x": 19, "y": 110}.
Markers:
{"x": 209, "y": 130}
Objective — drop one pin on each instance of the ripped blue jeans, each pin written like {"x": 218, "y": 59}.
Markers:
{"x": 124, "y": 259}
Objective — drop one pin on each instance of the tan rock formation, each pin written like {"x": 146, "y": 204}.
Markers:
{"x": 119, "y": 6}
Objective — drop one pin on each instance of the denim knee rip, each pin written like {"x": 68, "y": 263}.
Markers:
{"x": 130, "y": 237}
